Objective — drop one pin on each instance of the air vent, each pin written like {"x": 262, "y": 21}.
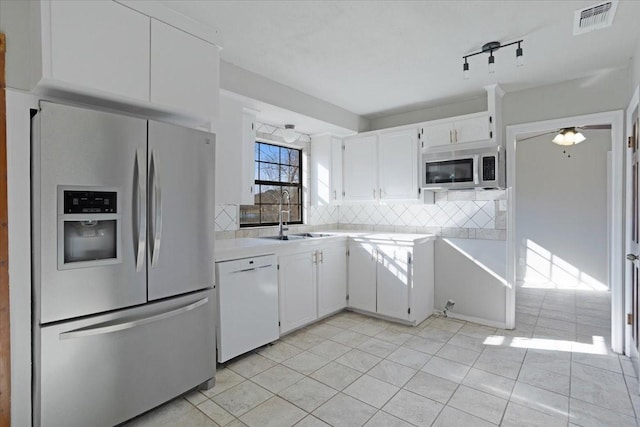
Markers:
{"x": 595, "y": 17}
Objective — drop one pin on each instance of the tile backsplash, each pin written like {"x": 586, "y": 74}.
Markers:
{"x": 464, "y": 214}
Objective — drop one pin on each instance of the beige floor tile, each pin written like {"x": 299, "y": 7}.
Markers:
{"x": 378, "y": 347}
{"x": 251, "y": 365}
{"x": 477, "y": 331}
{"x": 343, "y": 410}
{"x": 588, "y": 415}
{"x": 371, "y": 391}
{"x": 521, "y": 416}
{"x": 392, "y": 373}
{"x": 547, "y": 380}
{"x": 458, "y": 354}
{"x": 382, "y": 419}
{"x": 225, "y": 379}
{"x": 311, "y": 421}
{"x": 413, "y": 408}
{"x": 498, "y": 365}
{"x": 359, "y": 360}
{"x": 308, "y": 394}
{"x": 350, "y": 338}
{"x": 554, "y": 361}
{"x": 468, "y": 342}
{"x": 277, "y": 378}
{"x": 541, "y": 400}
{"x": 336, "y": 375}
{"x": 369, "y": 329}
{"x": 236, "y": 423}
{"x": 435, "y": 334}
{"x": 431, "y": 386}
{"x": 280, "y": 351}
{"x": 424, "y": 345}
{"x": 608, "y": 362}
{"x": 275, "y": 412}
{"x": 342, "y": 322}
{"x": 167, "y": 414}
{"x": 242, "y": 398}
{"x": 194, "y": 418}
{"x": 452, "y": 417}
{"x": 303, "y": 340}
{"x": 409, "y": 357}
{"x": 489, "y": 383}
{"x": 600, "y": 387}
{"x": 215, "y": 412}
{"x": 329, "y": 349}
{"x": 306, "y": 362}
{"x": 446, "y": 324}
{"x": 324, "y": 330}
{"x": 478, "y": 403}
{"x": 446, "y": 369}
{"x": 195, "y": 397}
{"x": 393, "y": 336}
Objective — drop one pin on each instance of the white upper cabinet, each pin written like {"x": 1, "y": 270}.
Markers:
{"x": 398, "y": 165}
{"x": 326, "y": 170}
{"x": 184, "y": 71}
{"x": 96, "y": 45}
{"x": 460, "y": 130}
{"x": 235, "y": 140}
{"x": 360, "y": 175}
{"x": 133, "y": 56}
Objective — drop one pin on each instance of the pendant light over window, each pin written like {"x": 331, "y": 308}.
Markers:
{"x": 568, "y": 136}
{"x": 289, "y": 134}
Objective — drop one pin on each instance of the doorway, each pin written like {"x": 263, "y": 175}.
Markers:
{"x": 548, "y": 266}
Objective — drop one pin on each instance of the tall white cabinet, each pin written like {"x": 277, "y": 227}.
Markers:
{"x": 326, "y": 170}
{"x": 392, "y": 277}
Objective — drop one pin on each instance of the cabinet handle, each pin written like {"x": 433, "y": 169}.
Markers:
{"x": 455, "y": 135}
{"x": 380, "y": 193}
{"x": 314, "y": 258}
{"x": 450, "y": 137}
{"x": 322, "y": 257}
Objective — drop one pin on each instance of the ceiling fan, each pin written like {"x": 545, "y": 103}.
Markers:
{"x": 569, "y": 135}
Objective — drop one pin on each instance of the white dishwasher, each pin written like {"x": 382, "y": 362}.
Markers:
{"x": 248, "y": 305}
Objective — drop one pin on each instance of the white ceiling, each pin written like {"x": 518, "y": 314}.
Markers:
{"x": 375, "y": 58}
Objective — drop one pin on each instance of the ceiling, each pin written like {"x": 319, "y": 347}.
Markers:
{"x": 376, "y": 58}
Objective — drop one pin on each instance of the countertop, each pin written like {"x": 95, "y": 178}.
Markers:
{"x": 228, "y": 249}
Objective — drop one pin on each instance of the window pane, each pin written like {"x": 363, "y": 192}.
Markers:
{"x": 296, "y": 211}
{"x": 269, "y": 172}
{"x": 269, "y": 194}
{"x": 294, "y": 157}
{"x": 269, "y": 153}
{"x": 269, "y": 214}
{"x": 257, "y": 151}
{"x": 294, "y": 193}
{"x": 250, "y": 214}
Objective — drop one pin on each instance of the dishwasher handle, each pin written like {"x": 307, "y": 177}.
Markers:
{"x": 251, "y": 269}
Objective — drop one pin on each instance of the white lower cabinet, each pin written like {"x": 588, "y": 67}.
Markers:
{"x": 332, "y": 279}
{"x": 392, "y": 278}
{"x": 312, "y": 284}
{"x": 297, "y": 290}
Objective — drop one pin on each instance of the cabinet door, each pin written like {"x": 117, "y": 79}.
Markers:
{"x": 184, "y": 71}
{"x": 336, "y": 170}
{"x": 436, "y": 135}
{"x": 398, "y": 165}
{"x": 248, "y": 144}
{"x": 360, "y": 175}
{"x": 99, "y": 45}
{"x": 362, "y": 276}
{"x": 471, "y": 130}
{"x": 229, "y": 154}
{"x": 332, "y": 279}
{"x": 321, "y": 165}
{"x": 297, "y": 290}
{"x": 394, "y": 279}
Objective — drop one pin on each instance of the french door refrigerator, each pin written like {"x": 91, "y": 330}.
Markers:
{"x": 122, "y": 230}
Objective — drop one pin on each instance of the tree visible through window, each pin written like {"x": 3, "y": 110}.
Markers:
{"x": 276, "y": 169}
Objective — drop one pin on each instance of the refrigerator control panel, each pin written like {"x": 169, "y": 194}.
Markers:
{"x": 90, "y": 202}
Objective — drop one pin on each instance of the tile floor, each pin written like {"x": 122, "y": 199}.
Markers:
{"x": 554, "y": 369}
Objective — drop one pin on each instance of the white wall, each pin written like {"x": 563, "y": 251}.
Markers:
{"x": 635, "y": 69}
{"x": 459, "y": 108}
{"x": 561, "y": 211}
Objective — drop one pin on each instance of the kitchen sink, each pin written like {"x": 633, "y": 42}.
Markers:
{"x": 297, "y": 236}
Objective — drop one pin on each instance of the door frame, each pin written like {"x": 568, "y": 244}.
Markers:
{"x": 633, "y": 104}
{"x": 615, "y": 211}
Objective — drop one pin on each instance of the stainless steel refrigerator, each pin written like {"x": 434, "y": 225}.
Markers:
{"x": 123, "y": 273}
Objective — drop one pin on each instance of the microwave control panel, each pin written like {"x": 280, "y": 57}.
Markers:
{"x": 95, "y": 202}
{"x": 489, "y": 168}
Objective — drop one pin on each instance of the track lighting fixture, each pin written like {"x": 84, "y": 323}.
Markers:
{"x": 490, "y": 48}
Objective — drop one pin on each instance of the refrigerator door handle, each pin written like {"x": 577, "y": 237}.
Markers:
{"x": 106, "y": 329}
{"x": 157, "y": 209}
{"x": 140, "y": 214}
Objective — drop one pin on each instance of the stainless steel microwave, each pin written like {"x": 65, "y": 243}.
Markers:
{"x": 464, "y": 169}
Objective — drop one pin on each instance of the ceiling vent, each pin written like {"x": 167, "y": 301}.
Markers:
{"x": 595, "y": 17}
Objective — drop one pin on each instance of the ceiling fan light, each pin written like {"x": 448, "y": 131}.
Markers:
{"x": 568, "y": 136}
{"x": 289, "y": 134}
{"x": 578, "y": 138}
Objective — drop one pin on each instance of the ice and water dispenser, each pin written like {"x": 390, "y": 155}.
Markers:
{"x": 89, "y": 227}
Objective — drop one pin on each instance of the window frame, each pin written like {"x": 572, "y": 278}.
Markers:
{"x": 281, "y": 184}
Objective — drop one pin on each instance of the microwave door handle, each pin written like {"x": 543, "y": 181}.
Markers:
{"x": 476, "y": 175}
{"x": 140, "y": 213}
{"x": 157, "y": 210}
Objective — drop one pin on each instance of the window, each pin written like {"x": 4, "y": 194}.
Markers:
{"x": 276, "y": 169}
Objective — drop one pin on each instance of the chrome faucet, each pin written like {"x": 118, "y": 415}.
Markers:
{"x": 283, "y": 228}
